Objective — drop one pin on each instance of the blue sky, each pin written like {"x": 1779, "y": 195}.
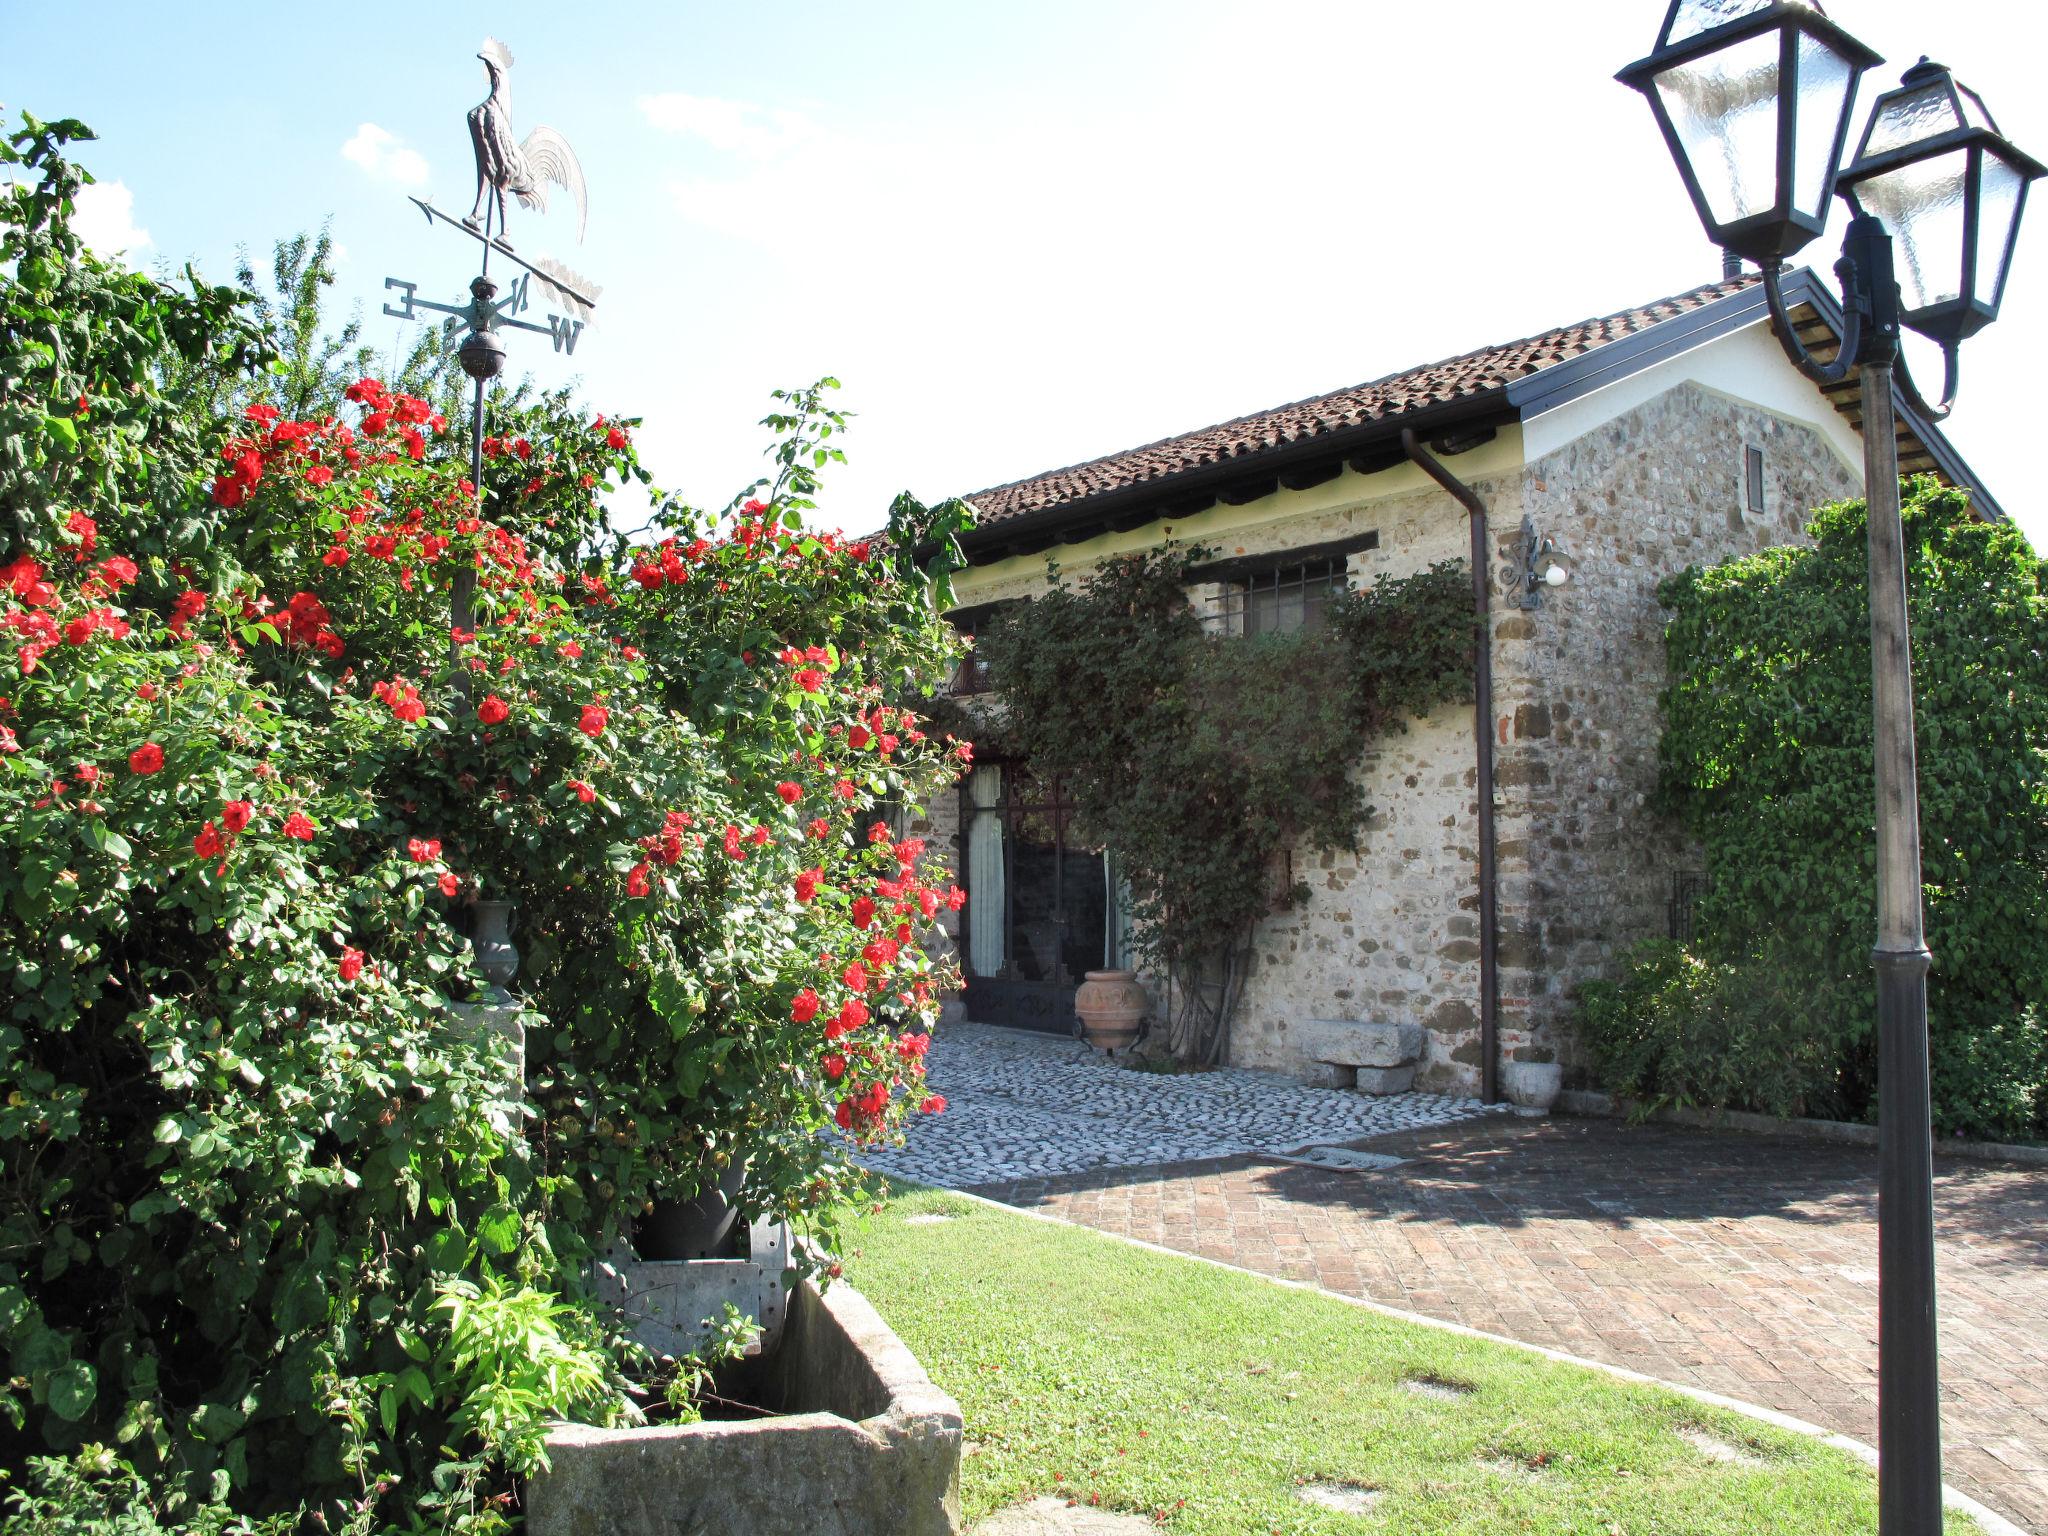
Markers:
{"x": 1021, "y": 235}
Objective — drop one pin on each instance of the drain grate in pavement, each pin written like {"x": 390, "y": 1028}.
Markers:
{"x": 1344, "y": 1157}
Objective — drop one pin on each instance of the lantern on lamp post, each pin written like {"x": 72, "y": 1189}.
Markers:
{"x": 1753, "y": 98}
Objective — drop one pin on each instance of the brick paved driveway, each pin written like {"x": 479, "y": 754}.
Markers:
{"x": 1741, "y": 1264}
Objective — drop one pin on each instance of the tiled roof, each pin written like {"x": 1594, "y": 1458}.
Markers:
{"x": 1488, "y": 370}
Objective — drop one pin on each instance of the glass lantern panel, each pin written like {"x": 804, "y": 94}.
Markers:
{"x": 1724, "y": 109}
{"x": 1823, "y": 84}
{"x": 1911, "y": 116}
{"x": 1975, "y": 113}
{"x": 1696, "y": 16}
{"x": 1921, "y": 204}
{"x": 1999, "y": 186}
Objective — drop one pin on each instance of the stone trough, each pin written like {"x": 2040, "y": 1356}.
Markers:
{"x": 860, "y": 1444}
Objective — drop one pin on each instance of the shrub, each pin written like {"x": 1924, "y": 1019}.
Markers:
{"x": 1681, "y": 1029}
{"x": 1767, "y": 759}
{"x": 273, "y": 1220}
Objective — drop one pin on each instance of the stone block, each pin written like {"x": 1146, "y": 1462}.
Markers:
{"x": 1346, "y": 1043}
{"x": 863, "y": 1443}
{"x": 1382, "y": 1080}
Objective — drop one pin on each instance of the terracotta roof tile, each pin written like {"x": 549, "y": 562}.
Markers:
{"x": 1485, "y": 371}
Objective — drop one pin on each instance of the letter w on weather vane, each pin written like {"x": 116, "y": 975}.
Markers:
{"x": 525, "y": 169}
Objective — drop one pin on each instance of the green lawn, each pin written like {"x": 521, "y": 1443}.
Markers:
{"x": 1206, "y": 1398}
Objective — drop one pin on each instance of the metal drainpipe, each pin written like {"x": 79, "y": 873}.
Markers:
{"x": 1482, "y": 736}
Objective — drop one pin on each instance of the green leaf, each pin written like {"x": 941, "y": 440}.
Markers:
{"x": 72, "y": 1390}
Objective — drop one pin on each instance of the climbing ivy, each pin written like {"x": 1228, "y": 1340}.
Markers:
{"x": 1202, "y": 760}
{"x": 1767, "y": 759}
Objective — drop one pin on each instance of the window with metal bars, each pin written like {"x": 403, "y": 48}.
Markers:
{"x": 971, "y": 676}
{"x": 1276, "y": 594}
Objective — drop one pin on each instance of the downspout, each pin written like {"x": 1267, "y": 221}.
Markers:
{"x": 1482, "y": 736}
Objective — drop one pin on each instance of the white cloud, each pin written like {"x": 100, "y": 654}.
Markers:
{"x": 105, "y": 219}
{"x": 385, "y": 156}
{"x": 732, "y": 127}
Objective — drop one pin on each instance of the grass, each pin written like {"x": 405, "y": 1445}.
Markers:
{"x": 1207, "y": 1399}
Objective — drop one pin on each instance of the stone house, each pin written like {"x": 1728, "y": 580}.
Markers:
{"x": 1636, "y": 444}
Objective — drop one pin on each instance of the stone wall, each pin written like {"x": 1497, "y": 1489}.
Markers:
{"x": 1586, "y": 864}
{"x": 1389, "y": 934}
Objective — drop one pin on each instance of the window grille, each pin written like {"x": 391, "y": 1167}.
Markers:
{"x": 972, "y": 675}
{"x": 1686, "y": 889}
{"x": 1280, "y": 600}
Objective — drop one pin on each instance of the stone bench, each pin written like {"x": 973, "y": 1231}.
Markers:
{"x": 1373, "y": 1058}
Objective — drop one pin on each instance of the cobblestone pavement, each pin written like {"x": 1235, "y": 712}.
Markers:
{"x": 1744, "y": 1265}
{"x": 1028, "y": 1105}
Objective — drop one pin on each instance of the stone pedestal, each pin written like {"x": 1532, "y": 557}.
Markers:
{"x": 496, "y": 1018}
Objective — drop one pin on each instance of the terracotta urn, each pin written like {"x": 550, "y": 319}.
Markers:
{"x": 1112, "y": 1005}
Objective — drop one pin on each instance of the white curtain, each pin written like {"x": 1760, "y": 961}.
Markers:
{"x": 985, "y": 873}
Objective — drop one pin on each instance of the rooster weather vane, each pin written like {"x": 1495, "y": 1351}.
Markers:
{"x": 524, "y": 169}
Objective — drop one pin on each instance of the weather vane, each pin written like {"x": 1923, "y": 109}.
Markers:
{"x": 524, "y": 169}
{"x": 505, "y": 164}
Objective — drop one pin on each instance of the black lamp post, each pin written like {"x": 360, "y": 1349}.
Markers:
{"x": 1753, "y": 97}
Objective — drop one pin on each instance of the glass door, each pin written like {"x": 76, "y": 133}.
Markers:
{"x": 1038, "y": 914}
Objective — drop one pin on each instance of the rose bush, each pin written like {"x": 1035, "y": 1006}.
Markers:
{"x": 252, "y": 777}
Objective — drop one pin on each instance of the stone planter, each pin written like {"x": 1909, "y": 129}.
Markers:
{"x": 1531, "y": 1084}
{"x": 863, "y": 1445}
{"x": 1111, "y": 1005}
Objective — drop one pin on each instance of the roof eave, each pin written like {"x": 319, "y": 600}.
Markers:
{"x": 1128, "y": 506}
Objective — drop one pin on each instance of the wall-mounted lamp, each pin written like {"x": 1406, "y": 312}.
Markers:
{"x": 1543, "y": 564}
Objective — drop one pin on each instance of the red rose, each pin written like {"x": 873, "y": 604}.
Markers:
{"x": 852, "y": 1014}
{"x": 583, "y": 791}
{"x": 147, "y": 758}
{"x": 807, "y": 883}
{"x": 804, "y": 1006}
{"x": 810, "y": 679}
{"x": 351, "y": 963}
{"x": 615, "y": 438}
{"x": 844, "y": 789}
{"x": 637, "y": 882}
{"x": 423, "y": 850}
{"x": 835, "y": 1066}
{"x": 858, "y": 737}
{"x": 235, "y": 814}
{"x": 855, "y": 976}
{"x": 934, "y": 1104}
{"x": 208, "y": 844}
{"x": 450, "y": 884}
{"x": 296, "y": 825}
{"x": 493, "y": 710}
{"x": 791, "y": 793}
{"x": 881, "y": 954}
{"x": 863, "y": 911}
{"x": 592, "y": 721}
{"x": 844, "y": 1114}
